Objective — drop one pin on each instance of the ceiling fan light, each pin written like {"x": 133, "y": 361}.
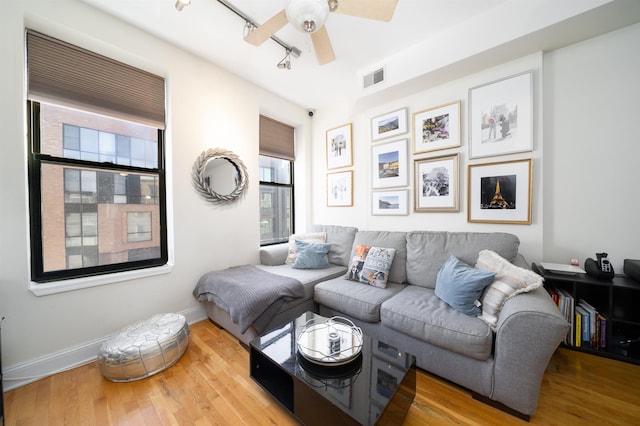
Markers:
{"x": 307, "y": 16}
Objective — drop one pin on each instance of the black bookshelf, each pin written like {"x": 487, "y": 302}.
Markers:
{"x": 618, "y": 300}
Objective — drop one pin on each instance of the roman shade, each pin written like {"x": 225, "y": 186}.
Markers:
{"x": 276, "y": 139}
{"x": 66, "y": 74}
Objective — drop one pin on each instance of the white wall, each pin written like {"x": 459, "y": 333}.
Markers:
{"x": 592, "y": 149}
{"x": 207, "y": 107}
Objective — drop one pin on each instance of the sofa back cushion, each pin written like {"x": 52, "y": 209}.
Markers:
{"x": 341, "y": 240}
{"x": 427, "y": 251}
{"x": 386, "y": 239}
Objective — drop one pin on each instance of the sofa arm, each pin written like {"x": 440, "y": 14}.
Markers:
{"x": 530, "y": 328}
{"x": 274, "y": 255}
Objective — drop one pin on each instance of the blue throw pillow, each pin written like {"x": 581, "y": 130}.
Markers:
{"x": 460, "y": 285}
{"x": 311, "y": 255}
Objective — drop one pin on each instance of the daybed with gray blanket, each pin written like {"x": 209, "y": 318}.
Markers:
{"x": 498, "y": 350}
{"x": 273, "y": 260}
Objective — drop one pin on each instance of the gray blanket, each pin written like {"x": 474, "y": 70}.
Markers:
{"x": 246, "y": 291}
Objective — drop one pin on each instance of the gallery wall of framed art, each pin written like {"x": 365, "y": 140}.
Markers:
{"x": 498, "y": 122}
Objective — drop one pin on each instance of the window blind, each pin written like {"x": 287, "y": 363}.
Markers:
{"x": 65, "y": 74}
{"x": 276, "y": 139}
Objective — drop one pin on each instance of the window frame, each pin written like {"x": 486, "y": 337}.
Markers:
{"x": 69, "y": 279}
{"x": 291, "y": 186}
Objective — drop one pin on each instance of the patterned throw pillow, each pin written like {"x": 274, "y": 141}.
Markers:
{"x": 377, "y": 266}
{"x": 510, "y": 280}
{"x": 357, "y": 263}
{"x": 311, "y": 237}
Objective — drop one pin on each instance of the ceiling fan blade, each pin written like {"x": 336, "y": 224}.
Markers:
{"x": 380, "y": 10}
{"x": 322, "y": 46}
{"x": 266, "y": 30}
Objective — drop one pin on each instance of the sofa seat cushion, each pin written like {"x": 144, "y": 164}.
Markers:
{"x": 418, "y": 312}
{"x": 357, "y": 300}
{"x": 308, "y": 277}
{"x": 428, "y": 250}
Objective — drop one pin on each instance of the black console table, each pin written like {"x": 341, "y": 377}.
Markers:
{"x": 617, "y": 301}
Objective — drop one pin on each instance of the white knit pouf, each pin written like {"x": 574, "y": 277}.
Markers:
{"x": 144, "y": 348}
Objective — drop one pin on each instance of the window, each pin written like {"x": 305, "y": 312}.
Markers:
{"x": 276, "y": 200}
{"x": 276, "y": 181}
{"x": 139, "y": 226}
{"x": 96, "y": 169}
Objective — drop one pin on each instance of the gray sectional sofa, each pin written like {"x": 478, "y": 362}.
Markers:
{"x": 501, "y": 362}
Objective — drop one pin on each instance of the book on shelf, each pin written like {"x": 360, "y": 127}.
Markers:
{"x": 602, "y": 338}
{"x": 578, "y": 327}
{"x": 568, "y": 311}
{"x": 592, "y": 336}
{"x": 582, "y": 317}
{"x": 554, "y": 295}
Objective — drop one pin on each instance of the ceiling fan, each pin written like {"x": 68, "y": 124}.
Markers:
{"x": 309, "y": 16}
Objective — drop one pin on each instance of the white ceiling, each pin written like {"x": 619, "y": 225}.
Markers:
{"x": 208, "y": 29}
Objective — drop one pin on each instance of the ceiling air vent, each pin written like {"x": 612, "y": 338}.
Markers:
{"x": 375, "y": 77}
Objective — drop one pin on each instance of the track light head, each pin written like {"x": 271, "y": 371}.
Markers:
{"x": 285, "y": 63}
{"x": 181, "y": 4}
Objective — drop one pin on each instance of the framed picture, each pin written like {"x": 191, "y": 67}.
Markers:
{"x": 436, "y": 185}
{"x": 339, "y": 147}
{"x": 500, "y": 192}
{"x": 501, "y": 116}
{"x": 389, "y": 125}
{"x": 340, "y": 189}
{"x": 390, "y": 168}
{"x": 390, "y": 203}
{"x": 436, "y": 128}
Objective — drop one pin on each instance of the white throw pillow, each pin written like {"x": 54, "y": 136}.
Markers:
{"x": 310, "y": 237}
{"x": 510, "y": 280}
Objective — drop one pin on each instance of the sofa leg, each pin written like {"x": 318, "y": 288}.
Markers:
{"x": 500, "y": 406}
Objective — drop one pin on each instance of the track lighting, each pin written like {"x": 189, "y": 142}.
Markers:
{"x": 251, "y": 25}
{"x": 181, "y": 4}
{"x": 285, "y": 63}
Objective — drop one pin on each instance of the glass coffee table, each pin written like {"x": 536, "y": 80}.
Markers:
{"x": 361, "y": 381}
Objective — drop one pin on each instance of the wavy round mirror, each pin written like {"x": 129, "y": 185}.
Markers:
{"x": 219, "y": 175}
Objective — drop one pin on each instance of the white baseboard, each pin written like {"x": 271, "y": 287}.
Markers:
{"x": 22, "y": 374}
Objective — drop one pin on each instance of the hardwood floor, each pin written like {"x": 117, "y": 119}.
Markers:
{"x": 210, "y": 385}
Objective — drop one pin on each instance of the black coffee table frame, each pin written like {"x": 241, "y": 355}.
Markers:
{"x": 378, "y": 387}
